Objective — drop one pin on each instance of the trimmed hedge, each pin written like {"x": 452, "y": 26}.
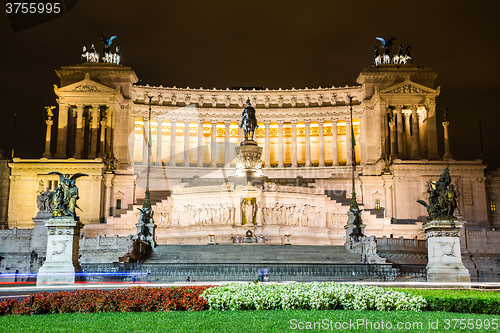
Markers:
{"x": 135, "y": 299}
{"x": 463, "y": 301}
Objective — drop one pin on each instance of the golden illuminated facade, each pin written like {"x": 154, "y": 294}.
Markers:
{"x": 103, "y": 123}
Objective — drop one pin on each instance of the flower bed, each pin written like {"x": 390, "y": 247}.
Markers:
{"x": 135, "y": 299}
{"x": 319, "y": 296}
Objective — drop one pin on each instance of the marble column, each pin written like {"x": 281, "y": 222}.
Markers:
{"x": 214, "y": 143}
{"x": 79, "y": 131}
{"x": 110, "y": 126}
{"x": 388, "y": 197}
{"x": 95, "y": 126}
{"x": 186, "y": 142}
{"x": 227, "y": 133}
{"x": 267, "y": 144}
{"x": 432, "y": 130}
{"x": 102, "y": 146}
{"x": 394, "y": 150}
{"x": 47, "y": 153}
{"x": 200, "y": 143}
{"x": 173, "y": 122}
{"x": 145, "y": 146}
{"x": 307, "y": 123}
{"x": 348, "y": 141}
{"x": 422, "y": 123}
{"x": 294, "y": 143}
{"x": 399, "y": 126}
{"x": 447, "y": 154}
{"x": 415, "y": 147}
{"x": 321, "y": 143}
{"x": 280, "y": 143}
{"x": 240, "y": 133}
{"x": 407, "y": 135}
{"x": 159, "y": 140}
{"x": 62, "y": 131}
{"x": 386, "y": 138}
{"x": 335, "y": 152}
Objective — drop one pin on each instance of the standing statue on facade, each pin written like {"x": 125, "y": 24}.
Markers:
{"x": 63, "y": 200}
{"x": 248, "y": 122}
{"x": 442, "y": 198}
{"x": 357, "y": 232}
{"x": 43, "y": 202}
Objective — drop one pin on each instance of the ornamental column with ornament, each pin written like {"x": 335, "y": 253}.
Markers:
{"x": 447, "y": 154}
{"x": 49, "y": 123}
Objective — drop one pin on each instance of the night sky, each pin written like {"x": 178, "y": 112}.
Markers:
{"x": 269, "y": 44}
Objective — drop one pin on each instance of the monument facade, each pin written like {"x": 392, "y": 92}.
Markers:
{"x": 303, "y": 137}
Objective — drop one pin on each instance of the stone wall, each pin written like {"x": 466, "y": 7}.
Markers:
{"x": 24, "y": 250}
{"x": 493, "y": 198}
{"x": 4, "y": 190}
{"x": 480, "y": 252}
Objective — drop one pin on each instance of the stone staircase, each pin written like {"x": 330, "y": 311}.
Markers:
{"x": 252, "y": 254}
{"x": 240, "y": 262}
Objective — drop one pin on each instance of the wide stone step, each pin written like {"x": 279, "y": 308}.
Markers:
{"x": 162, "y": 273}
{"x": 252, "y": 253}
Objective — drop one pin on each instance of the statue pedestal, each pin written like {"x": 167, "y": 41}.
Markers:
{"x": 249, "y": 164}
{"x": 63, "y": 241}
{"x": 443, "y": 246}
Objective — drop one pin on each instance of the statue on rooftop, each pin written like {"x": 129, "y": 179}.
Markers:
{"x": 386, "y": 45}
{"x": 248, "y": 121}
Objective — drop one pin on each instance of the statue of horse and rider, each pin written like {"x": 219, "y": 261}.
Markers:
{"x": 248, "y": 122}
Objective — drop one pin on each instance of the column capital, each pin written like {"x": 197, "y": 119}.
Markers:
{"x": 172, "y": 120}
{"x": 159, "y": 119}
{"x": 407, "y": 114}
{"x": 267, "y": 122}
{"x": 281, "y": 122}
{"x": 321, "y": 121}
{"x": 414, "y": 108}
{"x": 399, "y": 107}
{"x": 49, "y": 122}
{"x": 213, "y": 122}
{"x": 293, "y": 122}
{"x": 200, "y": 122}
{"x": 307, "y": 122}
{"x": 227, "y": 122}
{"x": 79, "y": 106}
{"x": 187, "y": 121}
{"x": 446, "y": 123}
{"x": 335, "y": 119}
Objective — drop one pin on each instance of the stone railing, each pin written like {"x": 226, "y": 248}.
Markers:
{"x": 402, "y": 250}
{"x": 483, "y": 241}
{"x": 94, "y": 244}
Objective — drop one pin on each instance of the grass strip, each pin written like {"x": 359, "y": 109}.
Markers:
{"x": 251, "y": 321}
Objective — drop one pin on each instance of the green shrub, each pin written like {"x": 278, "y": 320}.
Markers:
{"x": 463, "y": 301}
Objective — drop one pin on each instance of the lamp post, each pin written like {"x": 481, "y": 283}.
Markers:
{"x": 354, "y": 203}
{"x": 147, "y": 203}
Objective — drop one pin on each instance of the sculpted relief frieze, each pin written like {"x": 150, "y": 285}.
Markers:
{"x": 236, "y": 98}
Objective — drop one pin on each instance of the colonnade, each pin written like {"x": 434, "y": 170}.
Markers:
{"x": 85, "y": 131}
{"x": 409, "y": 133}
{"x": 200, "y": 143}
